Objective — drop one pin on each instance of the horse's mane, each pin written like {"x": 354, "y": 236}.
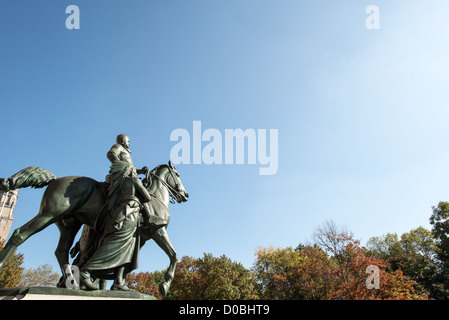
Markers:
{"x": 158, "y": 167}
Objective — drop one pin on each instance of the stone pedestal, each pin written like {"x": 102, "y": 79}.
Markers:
{"x": 37, "y": 293}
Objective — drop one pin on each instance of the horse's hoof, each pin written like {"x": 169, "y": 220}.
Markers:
{"x": 163, "y": 289}
{"x": 61, "y": 283}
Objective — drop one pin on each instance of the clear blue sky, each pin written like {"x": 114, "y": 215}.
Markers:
{"x": 361, "y": 114}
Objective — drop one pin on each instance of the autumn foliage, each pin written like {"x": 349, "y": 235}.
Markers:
{"x": 11, "y": 273}
{"x": 310, "y": 277}
{"x": 413, "y": 266}
{"x": 212, "y": 278}
{"x": 145, "y": 282}
{"x": 392, "y": 285}
{"x": 334, "y": 267}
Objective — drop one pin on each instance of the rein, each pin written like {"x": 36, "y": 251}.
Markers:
{"x": 173, "y": 193}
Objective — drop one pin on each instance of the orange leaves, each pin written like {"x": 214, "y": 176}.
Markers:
{"x": 334, "y": 268}
{"x": 145, "y": 282}
{"x": 311, "y": 278}
{"x": 392, "y": 285}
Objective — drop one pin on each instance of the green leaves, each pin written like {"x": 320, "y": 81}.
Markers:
{"x": 11, "y": 273}
{"x": 42, "y": 276}
{"x": 212, "y": 278}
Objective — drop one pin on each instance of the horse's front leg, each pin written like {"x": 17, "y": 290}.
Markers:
{"x": 163, "y": 241}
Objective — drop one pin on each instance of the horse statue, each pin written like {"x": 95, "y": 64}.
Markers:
{"x": 73, "y": 201}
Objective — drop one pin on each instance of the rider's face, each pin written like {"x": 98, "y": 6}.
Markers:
{"x": 126, "y": 142}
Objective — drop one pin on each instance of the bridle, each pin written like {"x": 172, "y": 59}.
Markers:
{"x": 173, "y": 192}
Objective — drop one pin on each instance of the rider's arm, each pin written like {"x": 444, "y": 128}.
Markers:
{"x": 143, "y": 194}
{"x": 113, "y": 154}
{"x": 144, "y": 170}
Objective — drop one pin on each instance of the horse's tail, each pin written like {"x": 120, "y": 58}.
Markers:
{"x": 34, "y": 177}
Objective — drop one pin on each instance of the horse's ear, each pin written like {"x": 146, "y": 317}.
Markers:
{"x": 169, "y": 164}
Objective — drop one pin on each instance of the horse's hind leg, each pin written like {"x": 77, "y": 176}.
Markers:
{"x": 20, "y": 235}
{"x": 163, "y": 241}
{"x": 68, "y": 229}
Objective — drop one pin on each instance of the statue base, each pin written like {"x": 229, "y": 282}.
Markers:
{"x": 41, "y": 293}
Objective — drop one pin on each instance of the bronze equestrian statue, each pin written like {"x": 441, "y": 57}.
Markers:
{"x": 73, "y": 201}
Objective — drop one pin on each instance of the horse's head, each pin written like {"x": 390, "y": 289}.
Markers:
{"x": 172, "y": 179}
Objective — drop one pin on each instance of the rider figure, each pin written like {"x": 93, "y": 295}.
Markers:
{"x": 120, "y": 152}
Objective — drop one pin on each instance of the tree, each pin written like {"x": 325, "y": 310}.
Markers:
{"x": 336, "y": 241}
{"x": 188, "y": 283}
{"x": 420, "y": 242}
{"x": 271, "y": 261}
{"x": 413, "y": 253}
{"x": 145, "y": 282}
{"x": 12, "y": 270}
{"x": 420, "y": 269}
{"x": 42, "y": 276}
{"x": 351, "y": 262}
{"x": 384, "y": 247}
{"x": 311, "y": 278}
{"x": 440, "y": 232}
{"x": 419, "y": 254}
{"x": 392, "y": 285}
{"x": 212, "y": 278}
{"x": 418, "y": 260}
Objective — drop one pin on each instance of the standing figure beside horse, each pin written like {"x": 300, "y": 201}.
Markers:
{"x": 119, "y": 244}
{"x": 117, "y": 228}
